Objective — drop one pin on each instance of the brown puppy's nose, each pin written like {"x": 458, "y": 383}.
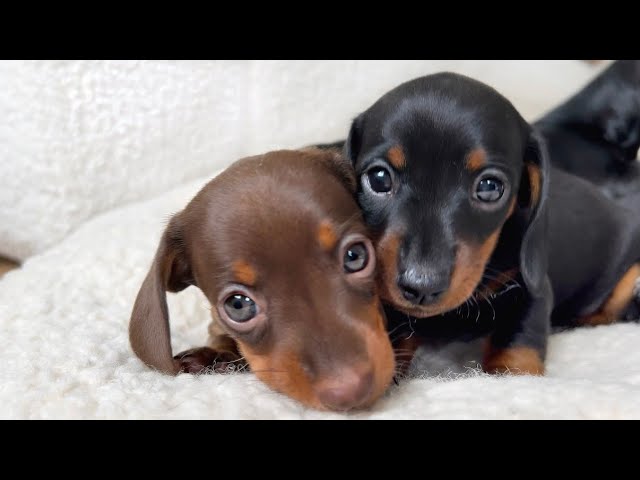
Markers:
{"x": 347, "y": 390}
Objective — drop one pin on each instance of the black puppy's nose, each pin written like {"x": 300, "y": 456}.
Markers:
{"x": 423, "y": 290}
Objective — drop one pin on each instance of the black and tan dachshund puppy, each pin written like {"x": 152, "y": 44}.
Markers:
{"x": 596, "y": 133}
{"x": 459, "y": 192}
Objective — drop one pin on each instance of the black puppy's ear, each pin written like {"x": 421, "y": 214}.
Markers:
{"x": 533, "y": 193}
{"x": 354, "y": 140}
{"x": 149, "y": 332}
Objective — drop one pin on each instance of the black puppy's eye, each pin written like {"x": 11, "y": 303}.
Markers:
{"x": 379, "y": 179}
{"x": 240, "y": 308}
{"x": 356, "y": 258}
{"x": 489, "y": 189}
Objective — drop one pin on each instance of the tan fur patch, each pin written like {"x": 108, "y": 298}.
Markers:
{"x": 387, "y": 260}
{"x": 396, "y": 157}
{"x": 471, "y": 261}
{"x": 535, "y": 182}
{"x": 244, "y": 273}
{"x": 617, "y": 301}
{"x": 282, "y": 371}
{"x": 476, "y": 159}
{"x": 515, "y": 360}
{"x": 498, "y": 281}
{"x": 380, "y": 354}
{"x": 327, "y": 235}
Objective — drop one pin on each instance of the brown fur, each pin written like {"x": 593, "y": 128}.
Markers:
{"x": 535, "y": 183}
{"x": 298, "y": 382}
{"x": 387, "y": 253}
{"x": 316, "y": 325}
{"x": 396, "y": 157}
{"x": 499, "y": 281}
{"x": 616, "y": 302}
{"x": 327, "y": 237}
{"x": 471, "y": 261}
{"x": 244, "y": 273}
{"x": 476, "y": 160}
{"x": 518, "y": 360}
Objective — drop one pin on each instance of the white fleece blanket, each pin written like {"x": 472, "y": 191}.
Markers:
{"x": 78, "y": 138}
{"x": 65, "y": 354}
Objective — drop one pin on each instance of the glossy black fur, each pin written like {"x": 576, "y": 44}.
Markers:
{"x": 596, "y": 133}
{"x": 571, "y": 246}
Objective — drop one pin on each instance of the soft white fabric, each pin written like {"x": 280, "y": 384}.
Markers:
{"x": 65, "y": 353}
{"x": 80, "y": 137}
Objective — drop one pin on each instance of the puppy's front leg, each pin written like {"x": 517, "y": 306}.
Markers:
{"x": 518, "y": 344}
{"x": 222, "y": 356}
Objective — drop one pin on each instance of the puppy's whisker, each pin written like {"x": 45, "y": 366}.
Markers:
{"x": 508, "y": 285}
{"x": 410, "y": 326}
{"x": 490, "y": 304}
{"x": 396, "y": 328}
{"x": 494, "y": 270}
{"x": 500, "y": 274}
{"x": 473, "y": 299}
{"x": 491, "y": 278}
{"x": 404, "y": 355}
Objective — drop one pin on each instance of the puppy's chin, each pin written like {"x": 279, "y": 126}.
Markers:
{"x": 464, "y": 281}
{"x": 451, "y": 300}
{"x": 283, "y": 370}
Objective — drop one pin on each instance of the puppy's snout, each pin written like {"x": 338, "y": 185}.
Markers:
{"x": 350, "y": 389}
{"x": 423, "y": 288}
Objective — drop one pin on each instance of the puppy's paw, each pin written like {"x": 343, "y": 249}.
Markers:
{"x": 205, "y": 359}
{"x": 515, "y": 361}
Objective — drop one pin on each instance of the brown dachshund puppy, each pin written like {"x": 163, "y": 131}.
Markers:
{"x": 278, "y": 246}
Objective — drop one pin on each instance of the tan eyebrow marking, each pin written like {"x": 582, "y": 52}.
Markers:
{"x": 244, "y": 273}
{"x": 396, "y": 157}
{"x": 326, "y": 235}
{"x": 476, "y": 160}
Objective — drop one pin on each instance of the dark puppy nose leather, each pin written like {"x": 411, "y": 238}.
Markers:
{"x": 349, "y": 389}
{"x": 423, "y": 290}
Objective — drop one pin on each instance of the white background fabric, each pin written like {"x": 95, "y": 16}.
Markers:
{"x": 80, "y": 137}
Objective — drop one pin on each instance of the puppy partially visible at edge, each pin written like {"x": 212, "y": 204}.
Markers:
{"x": 278, "y": 246}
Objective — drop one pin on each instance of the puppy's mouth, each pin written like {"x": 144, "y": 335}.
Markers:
{"x": 352, "y": 384}
{"x": 470, "y": 263}
{"x": 451, "y": 300}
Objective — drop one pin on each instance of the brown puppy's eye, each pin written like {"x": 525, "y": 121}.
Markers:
{"x": 240, "y": 308}
{"x": 356, "y": 257}
{"x": 379, "y": 180}
{"x": 489, "y": 189}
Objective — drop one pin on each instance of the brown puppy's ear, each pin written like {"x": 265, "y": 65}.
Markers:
{"x": 149, "y": 332}
{"x": 342, "y": 168}
{"x": 354, "y": 140}
{"x": 532, "y": 195}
